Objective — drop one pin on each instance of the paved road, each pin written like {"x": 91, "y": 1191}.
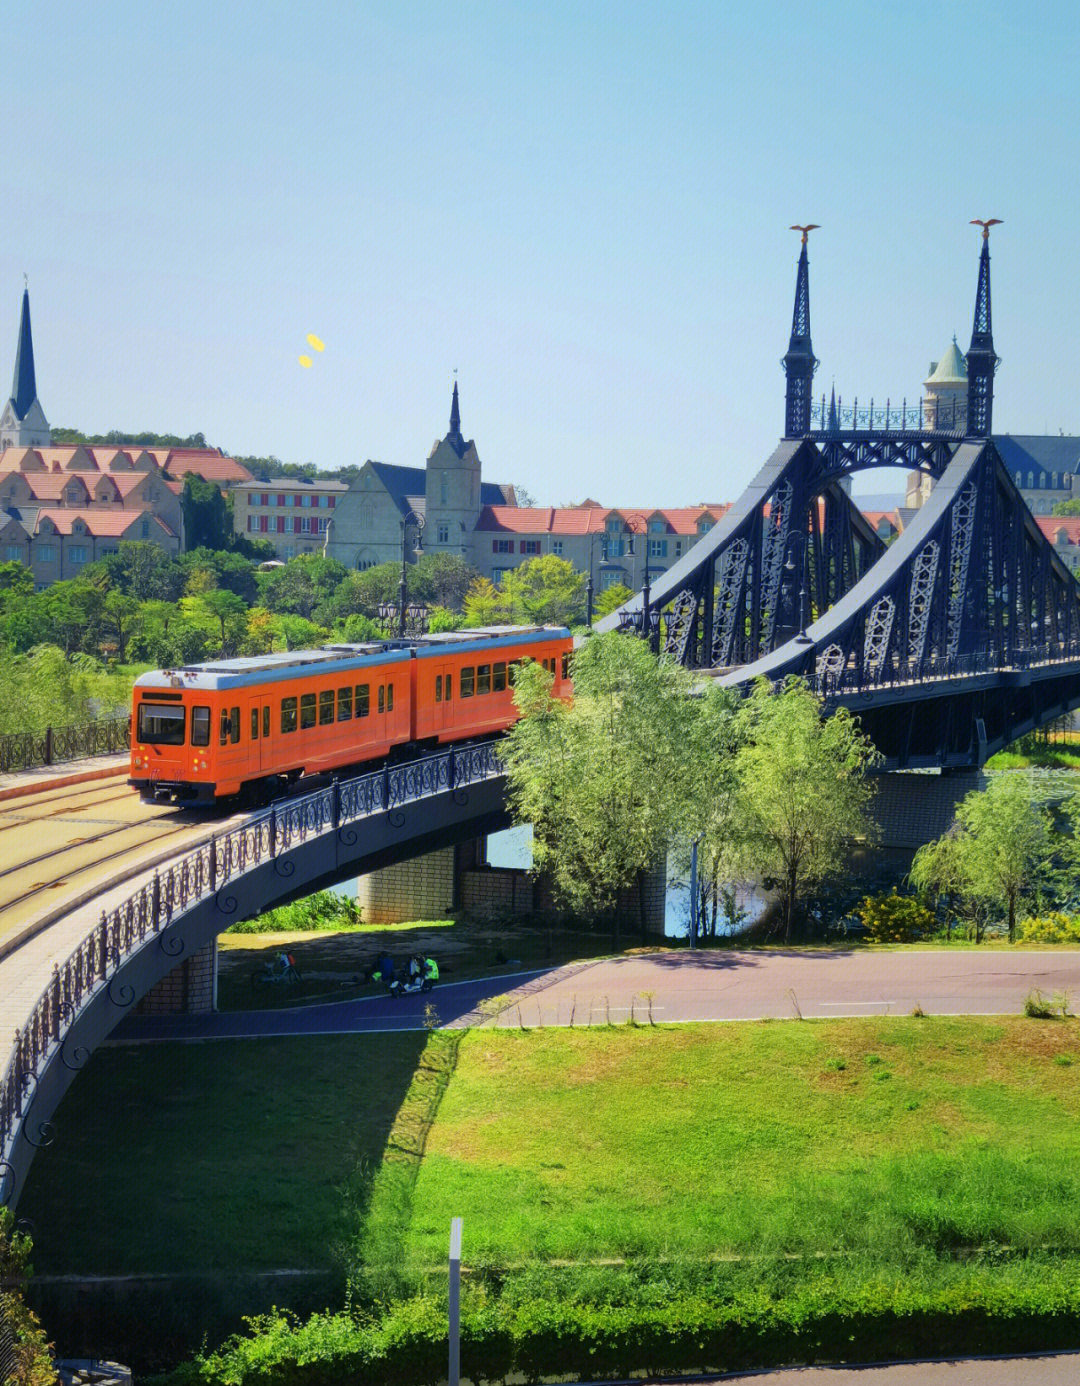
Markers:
{"x": 1058, "y": 1369}
{"x": 736, "y": 985}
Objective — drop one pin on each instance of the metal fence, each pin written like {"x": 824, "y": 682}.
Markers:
{"x": 26, "y": 750}
{"x": 95, "y": 963}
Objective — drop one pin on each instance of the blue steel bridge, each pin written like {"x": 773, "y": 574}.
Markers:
{"x": 959, "y": 637}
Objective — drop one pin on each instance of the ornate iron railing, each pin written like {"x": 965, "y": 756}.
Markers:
{"x": 95, "y": 963}
{"x": 928, "y": 416}
{"x": 26, "y": 750}
{"x": 842, "y": 676}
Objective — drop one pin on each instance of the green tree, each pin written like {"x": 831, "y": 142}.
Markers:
{"x": 545, "y": 591}
{"x": 297, "y": 633}
{"x": 600, "y": 779}
{"x": 802, "y": 791}
{"x": 485, "y": 605}
{"x": 1000, "y": 849}
{"x": 610, "y": 599}
{"x": 226, "y": 609}
{"x": 1067, "y": 507}
{"x": 120, "y": 618}
{"x": 207, "y": 522}
{"x": 16, "y": 582}
{"x": 447, "y": 578}
{"x": 141, "y": 569}
{"x": 230, "y": 570}
{"x": 33, "y": 1365}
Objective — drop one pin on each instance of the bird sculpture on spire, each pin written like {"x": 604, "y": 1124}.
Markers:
{"x": 986, "y": 225}
{"x": 812, "y": 226}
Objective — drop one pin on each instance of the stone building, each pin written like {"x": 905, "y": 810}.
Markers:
{"x": 294, "y": 516}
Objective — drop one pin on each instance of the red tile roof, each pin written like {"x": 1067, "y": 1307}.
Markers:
{"x": 101, "y": 523}
{"x": 1052, "y": 525}
{"x": 580, "y": 519}
{"x": 175, "y": 462}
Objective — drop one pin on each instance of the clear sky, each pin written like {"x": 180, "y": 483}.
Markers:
{"x": 582, "y": 207}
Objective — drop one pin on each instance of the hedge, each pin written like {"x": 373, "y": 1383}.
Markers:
{"x": 819, "y": 1323}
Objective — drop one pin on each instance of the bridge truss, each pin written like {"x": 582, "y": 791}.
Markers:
{"x": 962, "y": 635}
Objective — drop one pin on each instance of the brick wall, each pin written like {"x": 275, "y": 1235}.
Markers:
{"x": 191, "y": 986}
{"x": 419, "y": 889}
{"x": 911, "y": 809}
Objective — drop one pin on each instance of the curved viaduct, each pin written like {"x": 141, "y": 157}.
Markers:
{"x": 288, "y": 851}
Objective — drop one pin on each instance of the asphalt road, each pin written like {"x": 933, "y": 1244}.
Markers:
{"x": 683, "y": 986}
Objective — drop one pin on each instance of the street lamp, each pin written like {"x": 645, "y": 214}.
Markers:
{"x": 592, "y": 559}
{"x": 636, "y": 524}
{"x": 799, "y": 546}
{"x": 417, "y": 522}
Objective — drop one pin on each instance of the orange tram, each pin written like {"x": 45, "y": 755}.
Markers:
{"x": 206, "y": 732}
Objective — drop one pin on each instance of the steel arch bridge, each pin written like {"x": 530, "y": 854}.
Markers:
{"x": 961, "y": 636}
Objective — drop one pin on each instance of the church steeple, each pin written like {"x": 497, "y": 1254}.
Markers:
{"x": 981, "y": 360}
{"x": 800, "y": 363}
{"x": 454, "y": 438}
{"x": 23, "y": 421}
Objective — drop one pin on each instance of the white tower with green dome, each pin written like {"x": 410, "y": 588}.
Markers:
{"x": 945, "y": 400}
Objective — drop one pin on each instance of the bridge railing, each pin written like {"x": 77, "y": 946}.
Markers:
{"x": 203, "y": 872}
{"x": 943, "y": 416}
{"x": 840, "y": 678}
{"x": 27, "y": 750}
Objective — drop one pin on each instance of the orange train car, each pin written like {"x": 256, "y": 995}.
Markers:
{"x": 206, "y": 732}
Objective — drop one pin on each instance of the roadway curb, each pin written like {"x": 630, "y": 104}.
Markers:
{"x": 61, "y": 782}
{"x": 34, "y": 926}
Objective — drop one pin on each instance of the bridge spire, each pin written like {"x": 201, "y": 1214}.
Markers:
{"x": 981, "y": 360}
{"x": 800, "y": 361}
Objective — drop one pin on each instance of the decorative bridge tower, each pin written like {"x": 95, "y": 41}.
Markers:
{"x": 800, "y": 363}
{"x": 981, "y": 361}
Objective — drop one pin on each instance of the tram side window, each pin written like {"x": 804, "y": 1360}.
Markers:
{"x": 363, "y": 699}
{"x": 307, "y": 710}
{"x": 200, "y": 726}
{"x": 326, "y": 707}
{"x": 288, "y": 714}
{"x": 230, "y": 726}
{"x": 566, "y": 666}
{"x": 483, "y": 678}
{"x": 468, "y": 678}
{"x": 498, "y": 678}
{"x": 254, "y": 724}
{"x": 382, "y": 697}
{"x": 266, "y": 720}
{"x": 438, "y": 688}
{"x": 449, "y": 687}
{"x": 389, "y": 697}
{"x": 344, "y": 704}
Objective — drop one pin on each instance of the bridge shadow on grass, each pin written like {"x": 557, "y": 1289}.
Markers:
{"x": 190, "y": 1185}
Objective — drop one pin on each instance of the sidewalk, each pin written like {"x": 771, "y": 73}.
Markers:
{"x": 20, "y": 782}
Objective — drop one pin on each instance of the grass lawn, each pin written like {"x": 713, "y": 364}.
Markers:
{"x": 232, "y": 1155}
{"x": 883, "y": 1138}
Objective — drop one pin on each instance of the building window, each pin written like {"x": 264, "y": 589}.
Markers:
{"x": 255, "y": 498}
{"x": 497, "y": 574}
{"x": 443, "y": 534}
{"x": 289, "y": 551}
{"x": 609, "y": 579}
{"x": 658, "y": 548}
{"x": 502, "y": 546}
{"x": 306, "y": 500}
{"x": 657, "y": 527}
{"x": 14, "y": 553}
{"x": 704, "y": 526}
{"x": 77, "y": 553}
{"x": 556, "y": 547}
{"x": 45, "y": 553}
{"x": 614, "y": 526}
{"x": 144, "y": 529}
{"x": 444, "y": 489}
{"x": 530, "y": 546}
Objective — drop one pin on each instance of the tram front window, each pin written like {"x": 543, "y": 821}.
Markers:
{"x": 160, "y": 725}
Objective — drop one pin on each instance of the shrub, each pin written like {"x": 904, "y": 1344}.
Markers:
{"x": 323, "y": 910}
{"x": 1049, "y": 928}
{"x": 893, "y": 918}
{"x": 1040, "y": 1007}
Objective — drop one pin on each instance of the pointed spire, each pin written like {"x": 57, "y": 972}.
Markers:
{"x": 800, "y": 361}
{"x": 23, "y": 385}
{"x": 834, "y": 422}
{"x": 455, "y": 415}
{"x": 981, "y": 359}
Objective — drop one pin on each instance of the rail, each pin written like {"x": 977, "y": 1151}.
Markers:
{"x": 95, "y": 963}
{"x": 928, "y": 416}
{"x": 834, "y": 679}
{"x": 27, "y": 750}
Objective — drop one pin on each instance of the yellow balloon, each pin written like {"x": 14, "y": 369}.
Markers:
{"x": 305, "y": 361}
{"x": 315, "y": 343}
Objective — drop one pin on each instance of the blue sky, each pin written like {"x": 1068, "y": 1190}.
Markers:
{"x": 581, "y": 207}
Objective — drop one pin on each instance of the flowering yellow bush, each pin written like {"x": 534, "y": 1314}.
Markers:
{"x": 892, "y": 918}
{"x": 1049, "y": 928}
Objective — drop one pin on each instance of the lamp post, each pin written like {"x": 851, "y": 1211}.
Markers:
{"x": 589, "y": 584}
{"x": 639, "y": 526}
{"x": 799, "y": 548}
{"x": 417, "y": 521}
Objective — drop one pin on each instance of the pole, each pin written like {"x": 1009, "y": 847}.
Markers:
{"x": 589, "y": 585}
{"x": 402, "y": 585}
{"x": 693, "y": 893}
{"x": 454, "y": 1372}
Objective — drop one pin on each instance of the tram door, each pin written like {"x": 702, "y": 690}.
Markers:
{"x": 259, "y": 727}
{"x": 445, "y": 696}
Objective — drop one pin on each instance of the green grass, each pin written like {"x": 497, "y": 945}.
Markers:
{"x": 1057, "y": 757}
